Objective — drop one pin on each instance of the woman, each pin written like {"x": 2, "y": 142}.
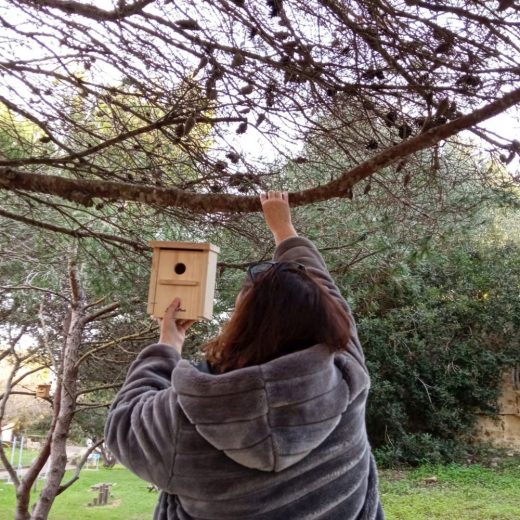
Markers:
{"x": 277, "y": 429}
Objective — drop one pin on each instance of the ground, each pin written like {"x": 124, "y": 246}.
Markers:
{"x": 452, "y": 492}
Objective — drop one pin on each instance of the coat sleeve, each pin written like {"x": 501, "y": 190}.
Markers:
{"x": 302, "y": 250}
{"x": 142, "y": 422}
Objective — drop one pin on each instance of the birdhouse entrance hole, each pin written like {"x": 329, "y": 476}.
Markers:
{"x": 180, "y": 268}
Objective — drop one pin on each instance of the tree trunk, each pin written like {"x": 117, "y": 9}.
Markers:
{"x": 109, "y": 460}
{"x": 67, "y": 397}
{"x": 23, "y": 491}
{"x": 58, "y": 459}
{"x": 78, "y": 314}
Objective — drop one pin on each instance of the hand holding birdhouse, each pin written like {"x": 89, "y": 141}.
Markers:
{"x": 173, "y": 329}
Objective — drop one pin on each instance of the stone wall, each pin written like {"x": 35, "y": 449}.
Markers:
{"x": 505, "y": 432}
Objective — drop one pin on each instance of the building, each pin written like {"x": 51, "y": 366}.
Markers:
{"x": 505, "y": 430}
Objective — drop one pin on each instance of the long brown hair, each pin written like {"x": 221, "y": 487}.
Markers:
{"x": 283, "y": 311}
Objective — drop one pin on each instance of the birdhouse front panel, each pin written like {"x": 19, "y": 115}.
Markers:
{"x": 180, "y": 275}
{"x": 43, "y": 391}
{"x": 181, "y": 270}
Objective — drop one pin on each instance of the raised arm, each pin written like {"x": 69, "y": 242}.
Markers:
{"x": 142, "y": 423}
{"x": 293, "y": 248}
{"x": 277, "y": 214}
{"x": 290, "y": 246}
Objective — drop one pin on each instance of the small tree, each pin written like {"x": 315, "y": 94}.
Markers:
{"x": 70, "y": 334}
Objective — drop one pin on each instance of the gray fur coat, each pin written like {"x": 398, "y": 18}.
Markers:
{"x": 283, "y": 440}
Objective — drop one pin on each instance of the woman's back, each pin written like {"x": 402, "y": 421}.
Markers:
{"x": 280, "y": 439}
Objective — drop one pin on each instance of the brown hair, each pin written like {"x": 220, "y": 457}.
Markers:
{"x": 282, "y": 312}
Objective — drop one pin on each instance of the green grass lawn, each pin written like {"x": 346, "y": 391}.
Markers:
{"x": 130, "y": 498}
{"x": 457, "y": 493}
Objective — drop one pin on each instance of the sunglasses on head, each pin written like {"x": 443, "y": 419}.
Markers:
{"x": 259, "y": 268}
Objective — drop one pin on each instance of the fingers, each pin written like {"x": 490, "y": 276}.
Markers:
{"x": 274, "y": 195}
{"x": 172, "y": 309}
{"x": 184, "y": 325}
{"x": 175, "y": 305}
{"x": 170, "y": 315}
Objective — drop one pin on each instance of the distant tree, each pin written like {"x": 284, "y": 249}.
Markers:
{"x": 85, "y": 341}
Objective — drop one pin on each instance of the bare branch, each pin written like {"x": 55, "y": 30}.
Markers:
{"x": 97, "y": 388}
{"x": 10, "y": 383}
{"x": 135, "y": 335}
{"x": 79, "y": 467}
{"x": 33, "y": 288}
{"x": 76, "y": 233}
{"x": 101, "y": 312}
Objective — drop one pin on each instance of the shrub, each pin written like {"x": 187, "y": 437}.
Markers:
{"x": 437, "y": 334}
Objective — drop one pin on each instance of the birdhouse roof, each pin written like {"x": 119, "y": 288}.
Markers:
{"x": 204, "y": 246}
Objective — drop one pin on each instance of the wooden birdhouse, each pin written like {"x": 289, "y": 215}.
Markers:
{"x": 43, "y": 391}
{"x": 185, "y": 270}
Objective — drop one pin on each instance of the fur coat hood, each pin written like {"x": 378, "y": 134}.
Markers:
{"x": 266, "y": 417}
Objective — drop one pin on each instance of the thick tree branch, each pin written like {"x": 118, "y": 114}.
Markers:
{"x": 84, "y": 191}
{"x": 91, "y": 11}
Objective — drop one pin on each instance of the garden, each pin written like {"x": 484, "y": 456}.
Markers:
{"x": 427, "y": 492}
{"x": 393, "y": 126}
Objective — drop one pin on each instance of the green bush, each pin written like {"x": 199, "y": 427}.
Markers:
{"x": 39, "y": 426}
{"x": 437, "y": 333}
